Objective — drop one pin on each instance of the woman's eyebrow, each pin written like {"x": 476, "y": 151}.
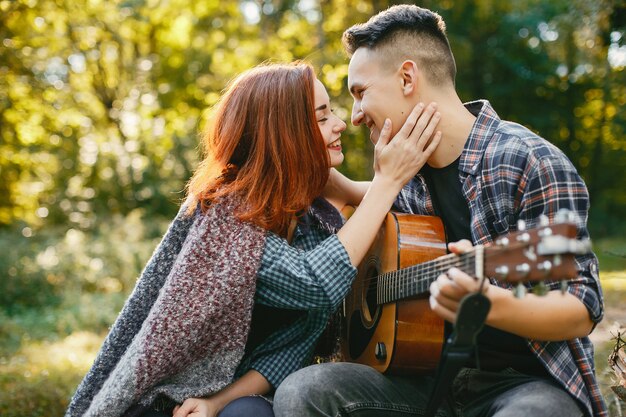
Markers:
{"x": 322, "y": 107}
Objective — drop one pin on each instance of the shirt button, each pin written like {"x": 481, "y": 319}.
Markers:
{"x": 475, "y": 167}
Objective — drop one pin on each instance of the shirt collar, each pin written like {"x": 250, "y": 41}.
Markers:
{"x": 485, "y": 125}
{"x": 322, "y": 213}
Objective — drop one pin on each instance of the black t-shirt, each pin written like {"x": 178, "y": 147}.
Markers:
{"x": 496, "y": 349}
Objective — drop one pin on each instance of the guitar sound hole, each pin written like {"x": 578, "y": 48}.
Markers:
{"x": 370, "y": 297}
{"x": 363, "y": 321}
{"x": 370, "y": 305}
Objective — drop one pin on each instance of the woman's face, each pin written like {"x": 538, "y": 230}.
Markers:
{"x": 330, "y": 125}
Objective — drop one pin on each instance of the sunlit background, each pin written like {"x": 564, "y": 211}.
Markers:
{"x": 101, "y": 102}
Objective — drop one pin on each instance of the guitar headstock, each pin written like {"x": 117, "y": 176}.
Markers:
{"x": 544, "y": 253}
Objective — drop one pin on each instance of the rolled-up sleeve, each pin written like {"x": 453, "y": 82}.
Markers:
{"x": 552, "y": 185}
{"x": 590, "y": 295}
{"x": 289, "y": 277}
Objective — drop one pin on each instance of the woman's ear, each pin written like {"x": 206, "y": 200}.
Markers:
{"x": 409, "y": 74}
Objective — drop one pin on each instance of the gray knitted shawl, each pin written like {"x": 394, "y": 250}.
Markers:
{"x": 183, "y": 330}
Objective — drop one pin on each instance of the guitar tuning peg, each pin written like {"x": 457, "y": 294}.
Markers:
{"x": 521, "y": 225}
{"x": 545, "y": 267}
{"x": 571, "y": 216}
{"x": 502, "y": 272}
{"x": 544, "y": 220}
{"x": 520, "y": 291}
{"x": 565, "y": 216}
{"x": 564, "y": 285}
{"x": 503, "y": 241}
{"x": 540, "y": 289}
{"x": 561, "y": 216}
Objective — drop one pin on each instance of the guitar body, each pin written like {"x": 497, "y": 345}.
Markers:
{"x": 405, "y": 336}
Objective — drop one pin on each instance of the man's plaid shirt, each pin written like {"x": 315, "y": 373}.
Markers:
{"x": 314, "y": 274}
{"x": 509, "y": 173}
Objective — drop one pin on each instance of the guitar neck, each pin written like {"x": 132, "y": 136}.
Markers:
{"x": 416, "y": 279}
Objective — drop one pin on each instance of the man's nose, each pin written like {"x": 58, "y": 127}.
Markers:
{"x": 357, "y": 114}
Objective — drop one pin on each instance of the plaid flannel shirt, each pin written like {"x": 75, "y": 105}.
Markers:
{"x": 314, "y": 273}
{"x": 509, "y": 173}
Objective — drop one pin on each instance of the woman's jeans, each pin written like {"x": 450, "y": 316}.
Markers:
{"x": 248, "y": 407}
{"x": 252, "y": 406}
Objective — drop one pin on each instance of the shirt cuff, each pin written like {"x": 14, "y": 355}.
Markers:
{"x": 266, "y": 366}
{"x": 329, "y": 260}
{"x": 587, "y": 288}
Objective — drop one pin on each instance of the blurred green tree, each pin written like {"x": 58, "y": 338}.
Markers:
{"x": 101, "y": 101}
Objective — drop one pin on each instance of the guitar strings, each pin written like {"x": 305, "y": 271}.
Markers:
{"x": 443, "y": 262}
{"x": 425, "y": 269}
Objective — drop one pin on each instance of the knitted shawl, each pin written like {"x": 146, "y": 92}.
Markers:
{"x": 183, "y": 330}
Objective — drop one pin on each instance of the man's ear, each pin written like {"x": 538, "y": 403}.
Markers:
{"x": 409, "y": 74}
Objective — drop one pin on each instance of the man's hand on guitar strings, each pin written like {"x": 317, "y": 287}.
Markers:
{"x": 449, "y": 288}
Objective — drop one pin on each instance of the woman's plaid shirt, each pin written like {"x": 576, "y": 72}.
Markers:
{"x": 509, "y": 173}
{"x": 314, "y": 274}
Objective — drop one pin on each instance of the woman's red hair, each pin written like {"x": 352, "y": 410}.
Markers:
{"x": 264, "y": 144}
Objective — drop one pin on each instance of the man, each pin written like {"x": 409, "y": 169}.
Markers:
{"x": 535, "y": 357}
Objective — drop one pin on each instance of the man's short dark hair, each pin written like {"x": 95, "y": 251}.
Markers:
{"x": 406, "y": 32}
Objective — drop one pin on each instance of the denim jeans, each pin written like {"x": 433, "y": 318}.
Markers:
{"x": 253, "y": 406}
{"x": 347, "y": 389}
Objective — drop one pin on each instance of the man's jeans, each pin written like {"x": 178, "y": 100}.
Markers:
{"x": 347, "y": 389}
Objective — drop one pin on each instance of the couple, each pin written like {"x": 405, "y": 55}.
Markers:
{"x": 233, "y": 303}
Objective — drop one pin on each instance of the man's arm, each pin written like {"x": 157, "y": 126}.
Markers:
{"x": 551, "y": 184}
{"x": 552, "y": 317}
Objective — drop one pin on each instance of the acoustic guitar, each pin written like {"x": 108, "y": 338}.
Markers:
{"x": 388, "y": 323}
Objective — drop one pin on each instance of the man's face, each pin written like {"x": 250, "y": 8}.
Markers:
{"x": 377, "y": 94}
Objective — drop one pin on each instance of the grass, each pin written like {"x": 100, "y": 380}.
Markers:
{"x": 612, "y": 256}
{"x": 45, "y": 352}
{"x": 40, "y": 377}
{"x": 603, "y": 340}
{"x": 42, "y": 359}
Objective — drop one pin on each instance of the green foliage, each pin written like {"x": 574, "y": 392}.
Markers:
{"x": 101, "y": 101}
{"x": 611, "y": 253}
{"x": 42, "y": 270}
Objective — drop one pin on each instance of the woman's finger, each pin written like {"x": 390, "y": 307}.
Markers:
{"x": 385, "y": 134}
{"x": 409, "y": 125}
{"x": 432, "y": 146}
{"x": 425, "y": 126}
{"x": 186, "y": 408}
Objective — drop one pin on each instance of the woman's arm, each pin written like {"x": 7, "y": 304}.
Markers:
{"x": 342, "y": 191}
{"x": 251, "y": 383}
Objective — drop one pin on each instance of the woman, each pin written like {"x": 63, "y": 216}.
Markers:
{"x": 188, "y": 334}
